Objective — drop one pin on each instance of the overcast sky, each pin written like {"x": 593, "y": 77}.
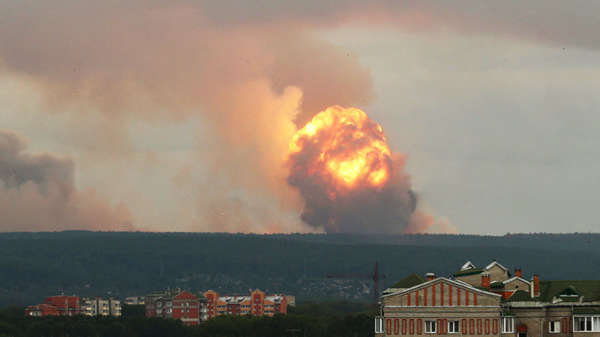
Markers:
{"x": 175, "y": 115}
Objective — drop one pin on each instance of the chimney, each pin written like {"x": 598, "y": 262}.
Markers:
{"x": 430, "y": 276}
{"x": 518, "y": 272}
{"x": 536, "y": 285}
{"x": 485, "y": 280}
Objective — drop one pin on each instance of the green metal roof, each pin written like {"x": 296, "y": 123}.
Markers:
{"x": 409, "y": 281}
{"x": 496, "y": 285}
{"x": 569, "y": 291}
{"x": 589, "y": 289}
{"x": 520, "y": 296}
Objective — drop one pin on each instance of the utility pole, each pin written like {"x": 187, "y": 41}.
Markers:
{"x": 376, "y": 277}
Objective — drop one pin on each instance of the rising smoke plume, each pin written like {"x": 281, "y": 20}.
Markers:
{"x": 166, "y": 62}
{"x": 350, "y": 180}
{"x": 37, "y": 193}
{"x": 253, "y": 74}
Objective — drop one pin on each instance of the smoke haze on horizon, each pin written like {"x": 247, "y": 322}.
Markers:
{"x": 37, "y": 193}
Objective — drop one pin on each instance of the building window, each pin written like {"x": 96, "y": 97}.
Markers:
{"x": 378, "y": 325}
{"x": 554, "y": 327}
{"x": 586, "y": 323}
{"x": 430, "y": 327}
{"x": 453, "y": 327}
{"x": 508, "y": 324}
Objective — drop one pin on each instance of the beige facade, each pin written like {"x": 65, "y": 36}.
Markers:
{"x": 440, "y": 306}
{"x": 472, "y": 275}
{"x": 497, "y": 271}
{"x": 516, "y": 283}
{"x": 472, "y": 279}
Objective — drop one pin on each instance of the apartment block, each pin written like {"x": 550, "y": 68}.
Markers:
{"x": 135, "y": 300}
{"x": 181, "y": 305}
{"x": 258, "y": 303}
{"x": 101, "y": 307}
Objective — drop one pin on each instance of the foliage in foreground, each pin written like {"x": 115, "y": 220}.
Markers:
{"x": 13, "y": 323}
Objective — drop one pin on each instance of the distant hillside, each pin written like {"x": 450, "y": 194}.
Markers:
{"x": 33, "y": 265}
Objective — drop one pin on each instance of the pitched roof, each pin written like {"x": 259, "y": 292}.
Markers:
{"x": 443, "y": 279}
{"x": 495, "y": 263}
{"x": 468, "y": 265}
{"x": 468, "y": 272}
{"x": 62, "y": 301}
{"x": 409, "y": 281}
{"x": 589, "y": 289}
{"x": 185, "y": 295}
{"x": 515, "y": 278}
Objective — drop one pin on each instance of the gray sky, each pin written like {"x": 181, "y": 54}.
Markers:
{"x": 178, "y": 113}
{"x": 501, "y": 135}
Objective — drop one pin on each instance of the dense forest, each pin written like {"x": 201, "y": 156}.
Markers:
{"x": 35, "y": 265}
{"x": 13, "y": 323}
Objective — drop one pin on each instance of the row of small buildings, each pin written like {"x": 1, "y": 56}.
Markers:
{"x": 185, "y": 306}
{"x": 192, "y": 309}
{"x": 73, "y": 306}
{"x": 490, "y": 301}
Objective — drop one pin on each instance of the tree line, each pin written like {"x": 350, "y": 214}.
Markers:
{"x": 36, "y": 265}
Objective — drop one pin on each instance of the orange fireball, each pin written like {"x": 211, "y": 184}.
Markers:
{"x": 343, "y": 147}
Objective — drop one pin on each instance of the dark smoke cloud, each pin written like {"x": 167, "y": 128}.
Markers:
{"x": 37, "y": 192}
{"x": 389, "y": 210}
{"x": 363, "y": 206}
{"x": 44, "y": 170}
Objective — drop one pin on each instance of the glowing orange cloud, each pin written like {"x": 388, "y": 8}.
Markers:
{"x": 348, "y": 177}
{"x": 352, "y": 150}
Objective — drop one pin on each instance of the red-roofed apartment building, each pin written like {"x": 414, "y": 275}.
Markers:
{"x": 55, "y": 306}
{"x": 183, "y": 306}
{"x": 186, "y": 308}
{"x": 257, "y": 304}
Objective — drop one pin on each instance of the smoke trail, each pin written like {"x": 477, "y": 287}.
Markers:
{"x": 37, "y": 193}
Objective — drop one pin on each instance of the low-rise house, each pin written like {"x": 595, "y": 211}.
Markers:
{"x": 192, "y": 309}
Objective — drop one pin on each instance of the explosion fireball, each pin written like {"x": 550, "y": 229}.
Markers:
{"x": 350, "y": 180}
{"x": 352, "y": 148}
